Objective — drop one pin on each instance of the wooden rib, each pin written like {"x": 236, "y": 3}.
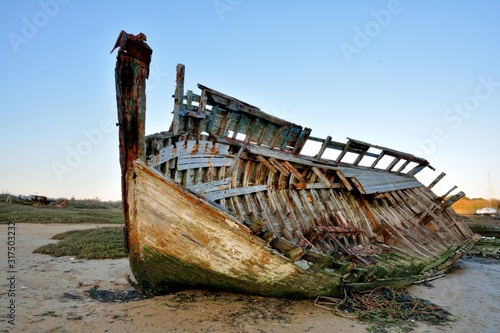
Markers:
{"x": 276, "y": 137}
{"x": 264, "y": 132}
{"x": 278, "y": 165}
{"x": 321, "y": 176}
{"x": 241, "y": 209}
{"x": 330, "y": 208}
{"x": 290, "y": 213}
{"x": 250, "y": 208}
{"x": 211, "y": 121}
{"x": 393, "y": 164}
{"x": 286, "y": 138}
{"x": 344, "y": 180}
{"x": 451, "y": 190}
{"x": 280, "y": 214}
{"x": 254, "y": 125}
{"x": 454, "y": 199}
{"x": 344, "y": 151}
{"x": 320, "y": 208}
{"x": 266, "y": 211}
{"x": 358, "y": 185}
{"x": 360, "y": 156}
{"x": 239, "y": 125}
{"x": 299, "y": 210}
{"x": 379, "y": 157}
{"x": 402, "y": 167}
{"x": 308, "y": 207}
{"x": 222, "y": 131}
{"x": 189, "y": 99}
{"x": 301, "y": 141}
{"x": 267, "y": 164}
{"x": 325, "y": 144}
{"x": 435, "y": 181}
{"x": 294, "y": 171}
{"x": 417, "y": 169}
{"x": 236, "y": 161}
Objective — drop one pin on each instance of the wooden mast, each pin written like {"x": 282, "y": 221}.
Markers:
{"x": 131, "y": 72}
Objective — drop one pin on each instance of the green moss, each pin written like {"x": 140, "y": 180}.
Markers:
{"x": 97, "y": 243}
{"x": 160, "y": 274}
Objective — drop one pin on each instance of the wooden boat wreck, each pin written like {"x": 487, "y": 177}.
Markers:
{"x": 226, "y": 199}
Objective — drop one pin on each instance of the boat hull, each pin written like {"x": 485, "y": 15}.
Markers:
{"x": 225, "y": 199}
{"x": 178, "y": 240}
{"x": 487, "y": 211}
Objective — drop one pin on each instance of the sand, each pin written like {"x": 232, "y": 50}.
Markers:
{"x": 52, "y": 295}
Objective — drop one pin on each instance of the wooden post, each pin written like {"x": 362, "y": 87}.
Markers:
{"x": 178, "y": 97}
{"x": 131, "y": 72}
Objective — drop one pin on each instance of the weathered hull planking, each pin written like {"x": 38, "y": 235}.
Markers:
{"x": 226, "y": 199}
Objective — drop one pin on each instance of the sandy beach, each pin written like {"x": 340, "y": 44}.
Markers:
{"x": 69, "y": 295}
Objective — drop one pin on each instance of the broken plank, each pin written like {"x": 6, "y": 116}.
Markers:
{"x": 435, "y": 181}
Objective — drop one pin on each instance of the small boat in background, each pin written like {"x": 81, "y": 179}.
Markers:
{"x": 489, "y": 210}
{"x": 226, "y": 199}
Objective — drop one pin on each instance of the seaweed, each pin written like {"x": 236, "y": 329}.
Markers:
{"x": 386, "y": 308}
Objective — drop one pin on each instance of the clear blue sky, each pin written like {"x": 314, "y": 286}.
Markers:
{"x": 417, "y": 76}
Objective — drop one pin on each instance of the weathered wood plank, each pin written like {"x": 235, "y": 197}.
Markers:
{"x": 211, "y": 186}
{"x": 220, "y": 194}
{"x": 316, "y": 186}
{"x": 191, "y": 148}
{"x": 187, "y": 162}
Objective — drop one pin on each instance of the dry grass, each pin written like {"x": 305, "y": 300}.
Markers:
{"x": 469, "y": 206}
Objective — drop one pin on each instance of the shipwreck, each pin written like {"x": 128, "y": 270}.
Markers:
{"x": 226, "y": 199}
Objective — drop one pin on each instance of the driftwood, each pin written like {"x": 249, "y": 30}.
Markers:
{"x": 36, "y": 200}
